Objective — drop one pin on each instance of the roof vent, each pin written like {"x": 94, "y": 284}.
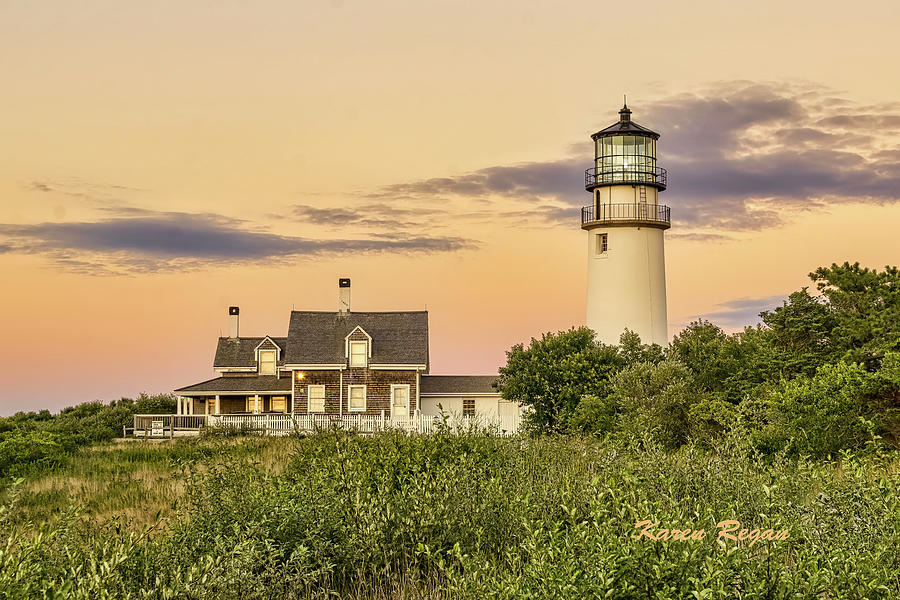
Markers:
{"x": 625, "y": 114}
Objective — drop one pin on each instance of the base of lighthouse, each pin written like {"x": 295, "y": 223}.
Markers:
{"x": 627, "y": 283}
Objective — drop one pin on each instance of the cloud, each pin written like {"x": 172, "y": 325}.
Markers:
{"x": 700, "y": 237}
{"x": 422, "y": 214}
{"x": 100, "y": 193}
{"x": 743, "y": 311}
{"x": 150, "y": 241}
{"x": 740, "y": 156}
{"x": 372, "y": 216}
{"x": 531, "y": 180}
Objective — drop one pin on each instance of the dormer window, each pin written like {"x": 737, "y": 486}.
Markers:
{"x": 359, "y": 353}
{"x": 267, "y": 362}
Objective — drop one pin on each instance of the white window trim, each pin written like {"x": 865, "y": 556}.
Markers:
{"x": 366, "y": 356}
{"x": 347, "y": 341}
{"x": 394, "y": 386}
{"x": 308, "y": 395}
{"x": 350, "y": 399}
{"x": 597, "y": 245}
{"x": 277, "y": 348}
{"x": 274, "y": 362}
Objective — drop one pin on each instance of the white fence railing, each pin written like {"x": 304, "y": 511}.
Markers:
{"x": 277, "y": 424}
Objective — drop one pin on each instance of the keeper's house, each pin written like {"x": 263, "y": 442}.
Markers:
{"x": 339, "y": 364}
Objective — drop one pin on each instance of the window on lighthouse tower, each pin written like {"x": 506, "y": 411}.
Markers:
{"x": 602, "y": 243}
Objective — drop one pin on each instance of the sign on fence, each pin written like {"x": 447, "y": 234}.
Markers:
{"x": 156, "y": 428}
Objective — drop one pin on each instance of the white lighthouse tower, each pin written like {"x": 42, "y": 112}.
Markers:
{"x": 625, "y": 224}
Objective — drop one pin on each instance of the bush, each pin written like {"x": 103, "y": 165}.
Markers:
{"x": 475, "y": 516}
{"x": 32, "y": 442}
{"x": 24, "y": 451}
{"x": 821, "y": 414}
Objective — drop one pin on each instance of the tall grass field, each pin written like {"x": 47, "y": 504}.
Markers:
{"x": 334, "y": 515}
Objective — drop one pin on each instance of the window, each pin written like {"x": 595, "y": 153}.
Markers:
{"x": 357, "y": 396}
{"x": 254, "y": 404}
{"x": 266, "y": 362}
{"x": 358, "y": 354}
{"x": 602, "y": 243}
{"x": 278, "y": 404}
{"x": 468, "y": 407}
{"x": 316, "y": 395}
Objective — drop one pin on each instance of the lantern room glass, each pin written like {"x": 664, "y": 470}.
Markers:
{"x": 625, "y": 158}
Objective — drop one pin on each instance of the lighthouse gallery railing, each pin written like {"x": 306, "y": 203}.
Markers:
{"x": 655, "y": 176}
{"x": 640, "y": 212}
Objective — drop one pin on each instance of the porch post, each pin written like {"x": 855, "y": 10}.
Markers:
{"x": 218, "y": 411}
{"x": 177, "y": 405}
{"x": 190, "y": 405}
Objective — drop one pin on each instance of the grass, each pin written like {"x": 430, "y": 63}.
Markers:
{"x": 444, "y": 516}
{"x": 135, "y": 482}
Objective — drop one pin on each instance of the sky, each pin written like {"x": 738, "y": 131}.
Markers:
{"x": 160, "y": 161}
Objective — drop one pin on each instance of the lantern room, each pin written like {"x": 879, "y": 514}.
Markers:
{"x": 625, "y": 152}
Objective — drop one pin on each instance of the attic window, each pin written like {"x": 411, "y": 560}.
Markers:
{"x": 266, "y": 362}
{"x": 359, "y": 352}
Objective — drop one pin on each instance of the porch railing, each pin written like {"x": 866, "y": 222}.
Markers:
{"x": 276, "y": 424}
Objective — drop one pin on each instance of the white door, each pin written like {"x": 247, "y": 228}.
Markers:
{"x": 399, "y": 400}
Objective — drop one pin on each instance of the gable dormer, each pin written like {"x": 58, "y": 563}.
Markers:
{"x": 358, "y": 347}
{"x": 267, "y": 354}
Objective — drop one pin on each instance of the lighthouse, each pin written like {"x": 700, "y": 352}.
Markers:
{"x": 625, "y": 225}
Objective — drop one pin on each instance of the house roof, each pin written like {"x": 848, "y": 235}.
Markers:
{"x": 240, "y": 352}
{"x": 239, "y": 385}
{"x": 457, "y": 384}
{"x": 398, "y": 338}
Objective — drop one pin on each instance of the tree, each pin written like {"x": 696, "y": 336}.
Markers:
{"x": 866, "y": 307}
{"x": 713, "y": 358}
{"x": 820, "y": 414}
{"x": 800, "y": 333}
{"x": 554, "y": 373}
{"x": 656, "y": 399}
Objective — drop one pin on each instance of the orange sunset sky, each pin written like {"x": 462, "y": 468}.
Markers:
{"x": 160, "y": 161}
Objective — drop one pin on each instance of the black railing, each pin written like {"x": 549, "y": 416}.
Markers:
{"x": 655, "y": 176}
{"x": 652, "y": 214}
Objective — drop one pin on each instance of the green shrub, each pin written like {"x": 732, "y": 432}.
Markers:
{"x": 25, "y": 451}
{"x": 474, "y": 516}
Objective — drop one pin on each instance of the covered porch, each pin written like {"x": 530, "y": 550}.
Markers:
{"x": 236, "y": 395}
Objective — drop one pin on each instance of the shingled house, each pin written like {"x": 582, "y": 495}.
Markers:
{"x": 339, "y": 364}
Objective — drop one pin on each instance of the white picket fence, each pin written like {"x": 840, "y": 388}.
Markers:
{"x": 276, "y": 424}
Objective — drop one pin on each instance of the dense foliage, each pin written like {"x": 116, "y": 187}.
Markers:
{"x": 781, "y": 427}
{"x": 474, "y": 516}
{"x": 817, "y": 375}
{"x": 33, "y": 441}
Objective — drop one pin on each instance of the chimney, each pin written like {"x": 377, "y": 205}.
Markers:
{"x": 344, "y": 295}
{"x": 233, "y": 317}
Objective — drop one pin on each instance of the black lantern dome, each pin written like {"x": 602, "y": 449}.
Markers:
{"x": 625, "y": 152}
